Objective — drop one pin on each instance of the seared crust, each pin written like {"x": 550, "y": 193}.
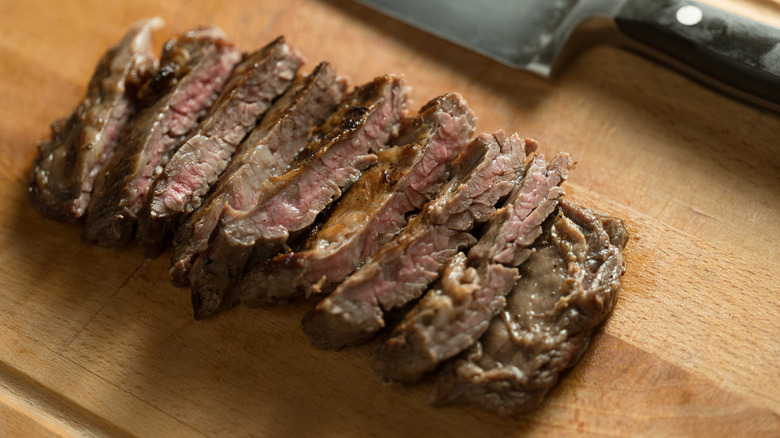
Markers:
{"x": 253, "y": 86}
{"x": 194, "y": 66}
{"x": 266, "y": 152}
{"x": 289, "y": 204}
{"x": 373, "y": 210}
{"x": 458, "y": 309}
{"x": 403, "y": 268}
{"x": 567, "y": 287}
{"x": 63, "y": 175}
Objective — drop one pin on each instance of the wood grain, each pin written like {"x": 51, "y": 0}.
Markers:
{"x": 97, "y": 341}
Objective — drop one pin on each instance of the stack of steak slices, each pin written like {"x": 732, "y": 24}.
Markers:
{"x": 333, "y": 159}
{"x": 471, "y": 290}
{"x": 267, "y": 152}
{"x": 255, "y": 83}
{"x": 194, "y": 67}
{"x": 403, "y": 268}
{"x": 277, "y": 185}
{"x": 373, "y": 210}
{"x": 68, "y": 163}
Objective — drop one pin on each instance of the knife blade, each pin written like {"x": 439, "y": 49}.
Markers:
{"x": 724, "y": 50}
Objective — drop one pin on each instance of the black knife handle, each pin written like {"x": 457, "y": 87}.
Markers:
{"x": 731, "y": 52}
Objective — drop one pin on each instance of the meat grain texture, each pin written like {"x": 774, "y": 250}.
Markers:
{"x": 194, "y": 67}
{"x": 373, "y": 210}
{"x": 267, "y": 152}
{"x": 290, "y": 203}
{"x": 471, "y": 290}
{"x": 68, "y": 163}
{"x": 403, "y": 268}
{"x": 253, "y": 86}
{"x": 568, "y": 285}
{"x": 277, "y": 185}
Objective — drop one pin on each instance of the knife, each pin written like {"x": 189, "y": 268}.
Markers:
{"x": 727, "y": 51}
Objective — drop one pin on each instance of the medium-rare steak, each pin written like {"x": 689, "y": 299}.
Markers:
{"x": 373, "y": 210}
{"x": 193, "y": 69}
{"x": 266, "y": 152}
{"x": 289, "y": 204}
{"x": 458, "y": 310}
{"x": 255, "y": 83}
{"x": 64, "y": 173}
{"x": 242, "y": 158}
{"x": 567, "y": 287}
{"x": 516, "y": 226}
{"x": 404, "y": 267}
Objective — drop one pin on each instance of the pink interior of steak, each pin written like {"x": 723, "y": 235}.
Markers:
{"x": 271, "y": 149}
{"x": 297, "y": 205}
{"x": 419, "y": 266}
{"x": 356, "y": 210}
{"x": 424, "y": 179}
{"x": 536, "y": 200}
{"x": 186, "y": 106}
{"x": 374, "y": 209}
{"x": 402, "y": 269}
{"x": 192, "y": 176}
{"x": 267, "y": 151}
{"x": 256, "y": 82}
{"x": 294, "y": 199}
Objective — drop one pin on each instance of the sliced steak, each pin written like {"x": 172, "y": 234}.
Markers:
{"x": 255, "y": 83}
{"x": 458, "y": 310}
{"x": 194, "y": 67}
{"x": 362, "y": 125}
{"x": 374, "y": 209}
{"x": 567, "y": 287}
{"x": 403, "y": 268}
{"x": 516, "y": 226}
{"x": 448, "y": 319}
{"x": 266, "y": 152}
{"x": 64, "y": 173}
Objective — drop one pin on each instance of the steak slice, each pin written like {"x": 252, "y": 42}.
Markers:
{"x": 455, "y": 313}
{"x": 255, "y": 83}
{"x": 403, "y": 268}
{"x": 194, "y": 67}
{"x": 374, "y": 209}
{"x": 266, "y": 152}
{"x": 516, "y": 226}
{"x": 567, "y": 287}
{"x": 447, "y": 320}
{"x": 64, "y": 173}
{"x": 289, "y": 203}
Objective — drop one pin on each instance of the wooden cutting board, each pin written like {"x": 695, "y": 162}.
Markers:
{"x": 97, "y": 342}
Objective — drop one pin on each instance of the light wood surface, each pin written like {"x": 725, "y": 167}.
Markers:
{"x": 97, "y": 342}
